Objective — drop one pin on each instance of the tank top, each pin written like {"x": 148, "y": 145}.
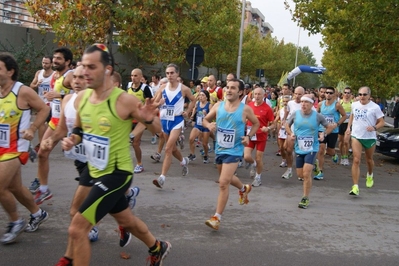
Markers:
{"x": 44, "y": 86}
{"x": 331, "y": 114}
{"x": 77, "y": 152}
{"x": 306, "y": 132}
{"x": 12, "y": 121}
{"x": 347, "y": 108}
{"x": 200, "y": 113}
{"x": 174, "y": 103}
{"x": 230, "y": 129}
{"x": 57, "y": 86}
{"x": 105, "y": 135}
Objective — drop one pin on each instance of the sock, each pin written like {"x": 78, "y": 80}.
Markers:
{"x": 356, "y": 185}
{"x": 254, "y": 164}
{"x": 218, "y": 216}
{"x": 242, "y": 189}
{"x": 43, "y": 188}
{"x": 289, "y": 169}
{"x": 37, "y": 214}
{"x": 68, "y": 259}
{"x": 257, "y": 176}
{"x": 130, "y": 193}
{"x": 183, "y": 162}
{"x": 18, "y": 221}
{"x": 163, "y": 177}
{"x": 155, "y": 248}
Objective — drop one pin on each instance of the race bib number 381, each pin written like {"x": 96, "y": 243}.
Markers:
{"x": 97, "y": 150}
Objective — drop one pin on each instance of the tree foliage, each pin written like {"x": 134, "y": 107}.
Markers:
{"x": 360, "y": 37}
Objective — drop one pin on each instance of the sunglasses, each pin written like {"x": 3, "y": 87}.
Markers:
{"x": 347, "y": 92}
{"x": 329, "y": 92}
{"x": 363, "y": 94}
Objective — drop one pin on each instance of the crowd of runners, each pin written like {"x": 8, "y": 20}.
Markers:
{"x": 86, "y": 109}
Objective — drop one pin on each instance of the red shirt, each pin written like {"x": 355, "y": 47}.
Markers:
{"x": 265, "y": 115}
{"x": 219, "y": 92}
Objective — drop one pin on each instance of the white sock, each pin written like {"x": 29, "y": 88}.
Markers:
{"x": 254, "y": 164}
{"x": 218, "y": 216}
{"x": 289, "y": 169}
{"x": 242, "y": 189}
{"x": 162, "y": 177}
{"x": 129, "y": 193}
{"x": 37, "y": 214}
{"x": 257, "y": 176}
{"x": 43, "y": 188}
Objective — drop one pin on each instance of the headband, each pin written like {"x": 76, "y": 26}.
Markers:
{"x": 306, "y": 98}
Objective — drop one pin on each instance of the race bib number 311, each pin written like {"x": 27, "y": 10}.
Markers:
{"x": 97, "y": 150}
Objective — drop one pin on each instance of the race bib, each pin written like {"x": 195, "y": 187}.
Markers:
{"x": 78, "y": 152}
{"x": 168, "y": 113}
{"x": 254, "y": 136}
{"x": 226, "y": 137}
{"x": 199, "y": 120}
{"x": 347, "y": 117}
{"x": 41, "y": 89}
{"x": 329, "y": 119}
{"x": 305, "y": 143}
{"x": 5, "y": 135}
{"x": 56, "y": 108}
{"x": 97, "y": 150}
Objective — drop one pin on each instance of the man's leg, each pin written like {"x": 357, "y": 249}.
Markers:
{"x": 370, "y": 166}
{"x": 289, "y": 147}
{"x": 357, "y": 153}
{"x": 78, "y": 231}
{"x": 226, "y": 178}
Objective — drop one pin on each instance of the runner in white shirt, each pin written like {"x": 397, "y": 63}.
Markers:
{"x": 365, "y": 119}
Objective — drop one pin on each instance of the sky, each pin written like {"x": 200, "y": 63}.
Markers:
{"x": 284, "y": 28}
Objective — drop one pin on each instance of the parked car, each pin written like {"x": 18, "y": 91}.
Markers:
{"x": 388, "y": 142}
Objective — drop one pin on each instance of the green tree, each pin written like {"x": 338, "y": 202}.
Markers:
{"x": 360, "y": 37}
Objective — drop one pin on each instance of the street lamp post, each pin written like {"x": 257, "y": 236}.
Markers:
{"x": 241, "y": 37}
{"x": 297, "y": 49}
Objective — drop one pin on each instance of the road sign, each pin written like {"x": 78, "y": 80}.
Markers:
{"x": 260, "y": 73}
{"x": 195, "y": 55}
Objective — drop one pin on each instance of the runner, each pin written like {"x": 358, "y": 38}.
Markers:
{"x": 172, "y": 118}
{"x": 366, "y": 118}
{"x": 231, "y": 116}
{"x": 102, "y": 109}
{"x": 16, "y": 101}
{"x": 306, "y": 123}
{"x": 265, "y": 116}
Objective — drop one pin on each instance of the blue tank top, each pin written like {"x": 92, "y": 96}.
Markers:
{"x": 331, "y": 114}
{"x": 200, "y": 113}
{"x": 230, "y": 129}
{"x": 306, "y": 132}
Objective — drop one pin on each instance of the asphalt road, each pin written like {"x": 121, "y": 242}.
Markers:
{"x": 336, "y": 229}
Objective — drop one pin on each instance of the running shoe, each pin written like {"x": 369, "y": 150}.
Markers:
{"x": 252, "y": 172}
{"x": 202, "y": 152}
{"x": 124, "y": 237}
{"x": 64, "y": 262}
{"x": 287, "y": 174}
{"x": 156, "y": 157}
{"x": 319, "y": 176}
{"x": 300, "y": 179}
{"x": 37, "y": 148}
{"x": 257, "y": 182}
{"x": 369, "y": 181}
{"x": 192, "y": 157}
{"x": 180, "y": 141}
{"x": 278, "y": 153}
{"x": 355, "y": 190}
{"x": 159, "y": 182}
{"x": 247, "y": 165}
{"x": 346, "y": 162}
{"x": 40, "y": 197}
{"x": 34, "y": 186}
{"x": 156, "y": 257}
{"x": 213, "y": 222}
{"x": 134, "y": 191}
{"x": 13, "y": 231}
{"x": 316, "y": 168}
{"x": 335, "y": 158}
{"x": 210, "y": 150}
{"x": 185, "y": 166}
{"x": 240, "y": 163}
{"x": 304, "y": 203}
{"x": 198, "y": 144}
{"x": 243, "y": 196}
{"x": 34, "y": 222}
{"x": 138, "y": 169}
{"x": 93, "y": 234}
{"x": 206, "y": 160}
{"x": 283, "y": 164}
{"x": 154, "y": 140}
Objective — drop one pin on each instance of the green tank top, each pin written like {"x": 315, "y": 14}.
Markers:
{"x": 105, "y": 135}
{"x": 347, "y": 108}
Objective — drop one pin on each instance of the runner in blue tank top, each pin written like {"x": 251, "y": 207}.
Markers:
{"x": 306, "y": 136}
{"x": 231, "y": 116}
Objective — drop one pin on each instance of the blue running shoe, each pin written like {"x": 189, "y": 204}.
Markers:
{"x": 319, "y": 176}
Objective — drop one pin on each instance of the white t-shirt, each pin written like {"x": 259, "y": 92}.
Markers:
{"x": 364, "y": 116}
